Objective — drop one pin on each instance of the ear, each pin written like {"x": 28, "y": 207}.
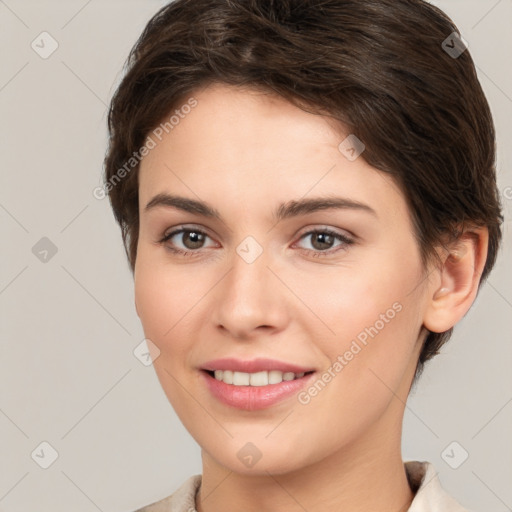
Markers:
{"x": 455, "y": 289}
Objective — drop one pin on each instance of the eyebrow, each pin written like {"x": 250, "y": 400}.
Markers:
{"x": 286, "y": 210}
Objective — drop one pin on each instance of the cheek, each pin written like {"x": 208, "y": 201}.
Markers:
{"x": 373, "y": 317}
{"x": 171, "y": 301}
{"x": 376, "y": 325}
{"x": 165, "y": 298}
{"x": 349, "y": 301}
{"x": 163, "y": 295}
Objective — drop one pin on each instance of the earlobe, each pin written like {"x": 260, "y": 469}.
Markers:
{"x": 455, "y": 291}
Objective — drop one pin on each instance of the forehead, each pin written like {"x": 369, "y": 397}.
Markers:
{"x": 254, "y": 148}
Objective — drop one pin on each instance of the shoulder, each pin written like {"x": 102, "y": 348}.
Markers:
{"x": 182, "y": 500}
{"x": 429, "y": 494}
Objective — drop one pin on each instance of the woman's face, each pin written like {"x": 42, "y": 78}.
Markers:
{"x": 257, "y": 269}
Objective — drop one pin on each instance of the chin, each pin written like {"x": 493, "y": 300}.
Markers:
{"x": 259, "y": 458}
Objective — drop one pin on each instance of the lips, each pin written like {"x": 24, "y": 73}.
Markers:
{"x": 254, "y": 366}
{"x": 256, "y": 384}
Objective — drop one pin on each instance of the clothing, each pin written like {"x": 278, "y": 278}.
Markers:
{"x": 429, "y": 495}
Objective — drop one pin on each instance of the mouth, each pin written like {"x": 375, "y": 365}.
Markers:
{"x": 254, "y": 385}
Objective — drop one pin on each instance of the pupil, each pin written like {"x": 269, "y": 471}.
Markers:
{"x": 196, "y": 239}
{"x": 324, "y": 240}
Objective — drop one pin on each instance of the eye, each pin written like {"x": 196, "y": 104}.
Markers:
{"x": 322, "y": 241}
{"x": 191, "y": 239}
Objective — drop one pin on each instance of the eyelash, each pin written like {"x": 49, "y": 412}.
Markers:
{"x": 346, "y": 241}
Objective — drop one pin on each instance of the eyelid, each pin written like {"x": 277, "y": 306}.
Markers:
{"x": 184, "y": 228}
{"x": 324, "y": 228}
{"x": 305, "y": 231}
{"x": 346, "y": 238}
{"x": 302, "y": 232}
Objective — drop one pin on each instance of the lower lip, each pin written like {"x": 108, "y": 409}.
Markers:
{"x": 253, "y": 398}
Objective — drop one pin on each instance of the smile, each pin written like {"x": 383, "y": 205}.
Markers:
{"x": 263, "y": 378}
{"x": 256, "y": 384}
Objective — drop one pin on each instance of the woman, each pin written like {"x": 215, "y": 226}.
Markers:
{"x": 307, "y": 196}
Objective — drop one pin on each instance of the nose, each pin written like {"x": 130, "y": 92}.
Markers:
{"x": 250, "y": 300}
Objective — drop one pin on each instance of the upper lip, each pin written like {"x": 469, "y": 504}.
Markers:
{"x": 253, "y": 366}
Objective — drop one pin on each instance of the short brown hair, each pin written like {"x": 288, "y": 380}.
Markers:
{"x": 378, "y": 66}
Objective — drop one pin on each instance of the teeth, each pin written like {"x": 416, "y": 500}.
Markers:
{"x": 255, "y": 379}
{"x": 275, "y": 377}
{"x": 258, "y": 379}
{"x": 240, "y": 378}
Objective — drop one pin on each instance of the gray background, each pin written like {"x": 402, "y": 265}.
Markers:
{"x": 68, "y": 373}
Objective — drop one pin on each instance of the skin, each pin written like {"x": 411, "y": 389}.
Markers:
{"x": 244, "y": 153}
